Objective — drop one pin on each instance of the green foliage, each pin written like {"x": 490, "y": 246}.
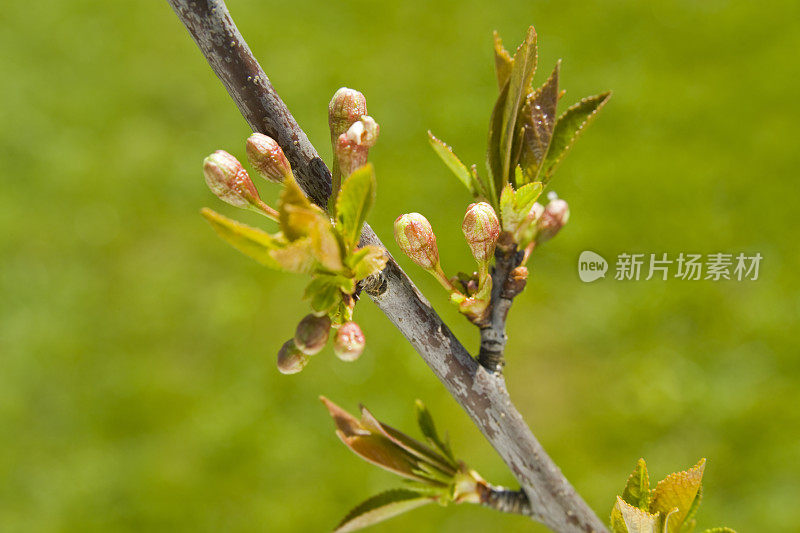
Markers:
{"x": 381, "y": 507}
{"x": 526, "y": 141}
{"x": 668, "y": 508}
{"x": 354, "y": 203}
{"x": 432, "y": 474}
{"x": 569, "y": 127}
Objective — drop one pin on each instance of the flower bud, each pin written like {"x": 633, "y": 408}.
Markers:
{"x": 352, "y": 147}
{"x": 481, "y": 228}
{"x": 552, "y": 220}
{"x": 229, "y": 181}
{"x": 349, "y": 342}
{"x": 346, "y": 107}
{"x": 414, "y": 235}
{"x": 312, "y": 332}
{"x": 290, "y": 359}
{"x": 267, "y": 158}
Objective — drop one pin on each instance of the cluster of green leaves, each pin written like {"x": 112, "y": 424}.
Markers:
{"x": 526, "y": 140}
{"x": 430, "y": 471}
{"x": 309, "y": 242}
{"x": 668, "y": 508}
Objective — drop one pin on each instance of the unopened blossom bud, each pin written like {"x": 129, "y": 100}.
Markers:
{"x": 229, "y": 181}
{"x": 481, "y": 228}
{"x": 346, "y": 107}
{"x": 414, "y": 235}
{"x": 267, "y": 158}
{"x": 312, "y": 333}
{"x": 552, "y": 220}
{"x": 290, "y": 359}
{"x": 349, "y": 342}
{"x": 352, "y": 146}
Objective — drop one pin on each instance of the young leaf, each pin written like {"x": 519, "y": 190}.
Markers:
{"x": 503, "y": 63}
{"x": 568, "y": 128}
{"x": 366, "y": 261}
{"x": 323, "y": 292}
{"x": 297, "y": 256}
{"x": 538, "y": 121}
{"x": 452, "y": 161}
{"x": 326, "y": 245}
{"x": 677, "y": 490}
{"x": 494, "y": 161}
{"x": 354, "y": 203}
{"x": 518, "y": 85}
{"x": 689, "y": 522}
{"x": 508, "y": 215}
{"x": 423, "y": 453}
{"x": 252, "y": 242}
{"x": 381, "y": 507}
{"x": 426, "y": 425}
{"x": 294, "y": 209}
{"x": 637, "y": 489}
{"x": 626, "y": 518}
{"x": 526, "y": 196}
{"x": 372, "y": 446}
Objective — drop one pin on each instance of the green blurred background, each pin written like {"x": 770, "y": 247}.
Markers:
{"x": 138, "y": 389}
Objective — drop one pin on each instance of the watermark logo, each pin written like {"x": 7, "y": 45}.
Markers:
{"x": 683, "y": 266}
{"x": 591, "y": 266}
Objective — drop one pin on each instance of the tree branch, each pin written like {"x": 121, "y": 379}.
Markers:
{"x": 482, "y": 394}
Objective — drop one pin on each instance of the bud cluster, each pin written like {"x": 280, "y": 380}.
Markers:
{"x": 311, "y": 336}
{"x": 230, "y": 182}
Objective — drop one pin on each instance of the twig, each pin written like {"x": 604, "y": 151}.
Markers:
{"x": 482, "y": 394}
{"x": 504, "y": 289}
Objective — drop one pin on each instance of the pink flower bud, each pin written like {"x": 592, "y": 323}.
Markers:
{"x": 349, "y": 342}
{"x": 290, "y": 359}
{"x": 346, "y": 107}
{"x": 267, "y": 158}
{"x": 312, "y": 332}
{"x": 352, "y": 147}
{"x": 481, "y": 228}
{"x": 229, "y": 181}
{"x": 415, "y": 237}
{"x": 555, "y": 215}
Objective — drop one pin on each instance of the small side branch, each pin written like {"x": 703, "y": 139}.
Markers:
{"x": 505, "y": 286}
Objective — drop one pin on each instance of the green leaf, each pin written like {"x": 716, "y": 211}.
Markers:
{"x": 323, "y": 293}
{"x": 568, "y": 128}
{"x": 508, "y": 215}
{"x": 677, "y": 490}
{"x": 637, "y": 489}
{"x": 689, "y": 522}
{"x": 626, "y": 518}
{"x": 297, "y": 256}
{"x": 381, "y": 507}
{"x": 326, "y": 245}
{"x": 366, "y": 261}
{"x": 719, "y": 530}
{"x": 538, "y": 121}
{"x": 354, "y": 203}
{"x": 428, "y": 428}
{"x": 526, "y": 196}
{"x": 294, "y": 210}
{"x": 422, "y": 453}
{"x": 458, "y": 168}
{"x": 518, "y": 85}
{"x": 252, "y": 242}
{"x": 494, "y": 162}
{"x": 503, "y": 63}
